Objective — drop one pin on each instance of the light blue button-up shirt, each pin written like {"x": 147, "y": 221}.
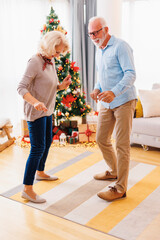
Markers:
{"x": 115, "y": 65}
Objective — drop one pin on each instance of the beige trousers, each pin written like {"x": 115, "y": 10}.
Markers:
{"x": 120, "y": 118}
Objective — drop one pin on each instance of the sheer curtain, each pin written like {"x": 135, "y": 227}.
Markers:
{"x": 140, "y": 27}
{"x": 83, "y": 50}
{"x": 20, "y": 24}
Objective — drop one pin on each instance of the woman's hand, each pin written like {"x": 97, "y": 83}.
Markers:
{"x": 66, "y": 82}
{"x": 39, "y": 106}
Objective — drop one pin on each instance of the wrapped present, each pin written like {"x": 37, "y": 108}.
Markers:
{"x": 24, "y": 128}
{"x": 92, "y": 117}
{"x": 72, "y": 140}
{"x": 64, "y": 129}
{"x": 75, "y": 134}
{"x": 79, "y": 119}
{"x": 87, "y": 132}
{"x": 67, "y": 138}
{"x": 57, "y": 131}
{"x": 70, "y": 130}
{"x": 56, "y": 138}
{"x": 68, "y": 123}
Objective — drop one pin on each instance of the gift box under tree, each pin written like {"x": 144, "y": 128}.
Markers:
{"x": 92, "y": 117}
{"x": 57, "y": 131}
{"x": 72, "y": 140}
{"x": 87, "y": 132}
{"x": 24, "y": 128}
{"x": 68, "y": 124}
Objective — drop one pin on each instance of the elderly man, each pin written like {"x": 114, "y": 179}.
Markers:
{"x": 117, "y": 94}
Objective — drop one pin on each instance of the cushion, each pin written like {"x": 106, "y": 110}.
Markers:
{"x": 146, "y": 126}
{"x": 156, "y": 85}
{"x": 4, "y": 121}
{"x": 139, "y": 109}
{"x": 150, "y": 100}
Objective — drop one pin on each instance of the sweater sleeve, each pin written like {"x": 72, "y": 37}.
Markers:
{"x": 30, "y": 73}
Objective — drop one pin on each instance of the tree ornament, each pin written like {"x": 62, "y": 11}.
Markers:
{"x": 60, "y": 68}
{"x": 59, "y": 113}
{"x": 82, "y": 110}
{"x": 51, "y": 20}
{"x": 67, "y": 114}
{"x": 74, "y": 92}
{"x": 75, "y": 68}
{"x": 68, "y": 100}
{"x": 44, "y": 27}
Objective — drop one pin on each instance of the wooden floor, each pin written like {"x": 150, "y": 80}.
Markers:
{"x": 18, "y": 221}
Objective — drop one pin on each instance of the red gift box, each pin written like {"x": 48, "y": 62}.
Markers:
{"x": 57, "y": 131}
{"x": 87, "y": 132}
{"x": 75, "y": 134}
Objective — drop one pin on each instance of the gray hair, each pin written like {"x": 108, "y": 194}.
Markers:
{"x": 100, "y": 19}
{"x": 50, "y": 40}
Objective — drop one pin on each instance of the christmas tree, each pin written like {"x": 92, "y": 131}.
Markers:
{"x": 70, "y": 102}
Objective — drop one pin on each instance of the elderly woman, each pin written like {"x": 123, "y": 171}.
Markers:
{"x": 38, "y": 88}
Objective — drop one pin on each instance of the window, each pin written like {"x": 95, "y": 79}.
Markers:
{"x": 140, "y": 28}
{"x": 20, "y": 24}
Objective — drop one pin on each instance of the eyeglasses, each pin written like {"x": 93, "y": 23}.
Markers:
{"x": 95, "y": 33}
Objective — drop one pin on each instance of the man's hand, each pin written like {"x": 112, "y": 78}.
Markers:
{"x": 94, "y": 94}
{"x": 66, "y": 82}
{"x": 106, "y": 96}
{"x": 39, "y": 106}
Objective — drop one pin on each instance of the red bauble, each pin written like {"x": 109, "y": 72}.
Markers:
{"x": 60, "y": 68}
{"x": 82, "y": 110}
{"x": 51, "y": 20}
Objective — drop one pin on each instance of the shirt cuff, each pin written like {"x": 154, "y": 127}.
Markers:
{"x": 116, "y": 91}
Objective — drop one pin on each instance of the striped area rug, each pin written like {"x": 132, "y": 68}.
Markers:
{"x": 74, "y": 197}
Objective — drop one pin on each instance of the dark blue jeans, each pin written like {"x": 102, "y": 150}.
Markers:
{"x": 40, "y": 133}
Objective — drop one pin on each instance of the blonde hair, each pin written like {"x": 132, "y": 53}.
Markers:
{"x": 98, "y": 19}
{"x": 49, "y": 42}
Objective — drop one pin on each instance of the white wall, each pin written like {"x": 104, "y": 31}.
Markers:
{"x": 111, "y": 10}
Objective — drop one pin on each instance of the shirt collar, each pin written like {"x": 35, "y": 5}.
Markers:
{"x": 110, "y": 42}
